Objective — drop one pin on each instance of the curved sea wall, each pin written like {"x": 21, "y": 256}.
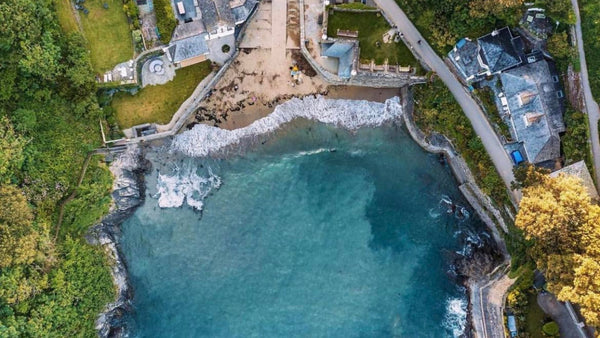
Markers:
{"x": 128, "y": 193}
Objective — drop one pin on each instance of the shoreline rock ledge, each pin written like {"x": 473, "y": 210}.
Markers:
{"x": 128, "y": 170}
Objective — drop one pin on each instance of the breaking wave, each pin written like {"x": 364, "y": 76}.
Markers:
{"x": 203, "y": 140}
{"x": 455, "y": 320}
{"x": 185, "y": 185}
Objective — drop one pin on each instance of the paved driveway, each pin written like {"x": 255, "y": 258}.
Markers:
{"x": 591, "y": 105}
{"x": 471, "y": 109}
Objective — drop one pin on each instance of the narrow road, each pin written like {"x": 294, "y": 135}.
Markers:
{"x": 480, "y": 123}
{"x": 591, "y": 105}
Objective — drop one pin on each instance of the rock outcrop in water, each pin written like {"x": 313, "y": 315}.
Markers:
{"x": 128, "y": 193}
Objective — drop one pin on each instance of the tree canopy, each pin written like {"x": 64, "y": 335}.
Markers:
{"x": 48, "y": 122}
{"x": 564, "y": 224}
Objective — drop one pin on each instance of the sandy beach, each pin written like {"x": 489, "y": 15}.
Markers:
{"x": 251, "y": 89}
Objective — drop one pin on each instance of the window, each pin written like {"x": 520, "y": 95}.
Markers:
{"x": 560, "y": 94}
{"x": 555, "y": 78}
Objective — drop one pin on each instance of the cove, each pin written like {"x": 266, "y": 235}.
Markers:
{"x": 313, "y": 231}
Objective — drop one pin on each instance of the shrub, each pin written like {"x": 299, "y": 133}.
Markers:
{"x": 165, "y": 19}
{"x": 550, "y": 329}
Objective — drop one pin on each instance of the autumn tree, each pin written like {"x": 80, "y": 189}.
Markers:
{"x": 18, "y": 241}
{"x": 483, "y": 8}
{"x": 558, "y": 45}
{"x": 557, "y": 213}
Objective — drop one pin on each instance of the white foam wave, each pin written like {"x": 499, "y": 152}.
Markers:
{"x": 203, "y": 140}
{"x": 185, "y": 185}
{"x": 455, "y": 320}
{"x": 313, "y": 152}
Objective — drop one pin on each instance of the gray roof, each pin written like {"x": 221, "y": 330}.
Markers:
{"x": 209, "y": 13}
{"x": 215, "y": 12}
{"x": 188, "y": 48}
{"x": 241, "y": 13}
{"x": 464, "y": 57}
{"x": 345, "y": 52}
{"x": 580, "y": 170}
{"x": 531, "y": 93}
{"x": 224, "y": 11}
{"x": 499, "y": 50}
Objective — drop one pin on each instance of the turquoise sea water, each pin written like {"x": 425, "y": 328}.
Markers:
{"x": 313, "y": 232}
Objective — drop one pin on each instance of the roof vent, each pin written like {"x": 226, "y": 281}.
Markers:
{"x": 525, "y": 98}
{"x": 531, "y": 118}
{"x": 495, "y": 32}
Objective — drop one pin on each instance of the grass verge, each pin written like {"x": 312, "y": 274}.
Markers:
{"x": 371, "y": 26}
{"x": 158, "y": 103}
{"x": 590, "y": 29}
{"x": 107, "y": 33}
{"x": 66, "y": 18}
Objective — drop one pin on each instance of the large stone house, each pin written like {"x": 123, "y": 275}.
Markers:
{"x": 530, "y": 97}
{"x": 214, "y": 21}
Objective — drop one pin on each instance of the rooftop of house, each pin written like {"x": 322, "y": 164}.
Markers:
{"x": 243, "y": 10}
{"x": 499, "y": 50}
{"x": 345, "y": 52}
{"x": 187, "y": 48}
{"x": 536, "y": 109}
{"x": 580, "y": 170}
{"x": 187, "y": 29}
{"x": 209, "y": 13}
{"x": 464, "y": 57}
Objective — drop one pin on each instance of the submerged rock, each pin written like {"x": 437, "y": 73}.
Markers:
{"x": 128, "y": 193}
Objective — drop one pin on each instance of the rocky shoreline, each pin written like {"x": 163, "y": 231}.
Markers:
{"x": 479, "y": 269}
{"x": 128, "y": 169}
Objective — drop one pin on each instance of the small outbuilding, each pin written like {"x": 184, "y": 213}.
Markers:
{"x": 580, "y": 170}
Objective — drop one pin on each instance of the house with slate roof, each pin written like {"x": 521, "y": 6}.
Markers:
{"x": 206, "y": 20}
{"x": 491, "y": 54}
{"x": 188, "y": 51}
{"x": 534, "y": 110}
{"x": 346, "y": 51}
{"x": 531, "y": 96}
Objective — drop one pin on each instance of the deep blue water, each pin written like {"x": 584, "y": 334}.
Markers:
{"x": 318, "y": 232}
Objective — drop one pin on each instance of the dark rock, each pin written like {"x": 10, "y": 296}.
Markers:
{"x": 128, "y": 169}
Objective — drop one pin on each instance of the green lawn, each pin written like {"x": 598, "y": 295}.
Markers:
{"x": 371, "y": 27}
{"x": 107, "y": 33}
{"x": 158, "y": 103}
{"x": 66, "y": 19}
{"x": 535, "y": 317}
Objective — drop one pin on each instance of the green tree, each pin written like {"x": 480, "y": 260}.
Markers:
{"x": 558, "y": 45}
{"x": 11, "y": 150}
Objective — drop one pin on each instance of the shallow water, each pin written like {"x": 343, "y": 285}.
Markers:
{"x": 314, "y": 232}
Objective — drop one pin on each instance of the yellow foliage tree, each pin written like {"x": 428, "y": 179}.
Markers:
{"x": 557, "y": 213}
{"x": 18, "y": 243}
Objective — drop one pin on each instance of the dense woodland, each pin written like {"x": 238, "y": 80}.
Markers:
{"x": 444, "y": 22}
{"x": 49, "y": 286}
